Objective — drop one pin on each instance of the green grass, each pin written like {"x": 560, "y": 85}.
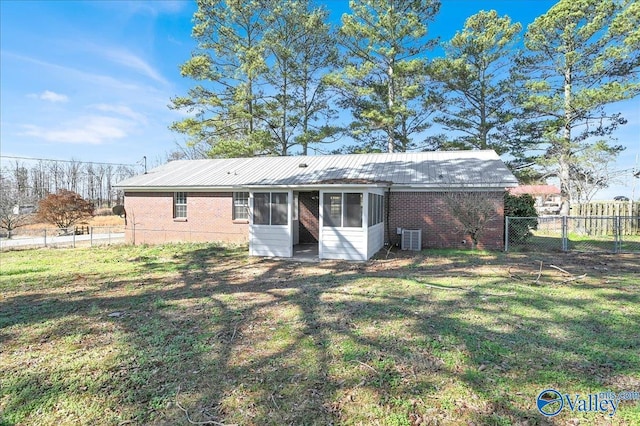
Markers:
{"x": 138, "y": 335}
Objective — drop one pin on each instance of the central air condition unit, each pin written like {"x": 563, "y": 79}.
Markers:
{"x": 412, "y": 239}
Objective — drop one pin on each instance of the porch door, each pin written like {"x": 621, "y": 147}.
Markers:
{"x": 308, "y": 217}
{"x": 270, "y": 223}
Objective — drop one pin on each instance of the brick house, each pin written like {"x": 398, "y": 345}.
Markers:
{"x": 342, "y": 206}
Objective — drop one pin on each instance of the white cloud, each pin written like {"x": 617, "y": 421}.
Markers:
{"x": 129, "y": 60}
{"x": 121, "y": 110}
{"x": 73, "y": 73}
{"x": 49, "y": 96}
{"x": 92, "y": 130}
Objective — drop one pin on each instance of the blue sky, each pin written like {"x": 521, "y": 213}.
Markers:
{"x": 92, "y": 80}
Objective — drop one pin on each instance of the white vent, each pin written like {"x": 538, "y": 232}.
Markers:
{"x": 412, "y": 239}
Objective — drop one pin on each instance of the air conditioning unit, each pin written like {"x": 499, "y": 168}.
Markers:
{"x": 412, "y": 239}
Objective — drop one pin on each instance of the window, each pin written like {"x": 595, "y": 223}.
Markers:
{"x": 240, "y": 205}
{"x": 180, "y": 205}
{"x": 261, "y": 208}
{"x": 376, "y": 209}
{"x": 279, "y": 207}
{"x": 342, "y": 209}
{"x": 332, "y": 210}
{"x": 352, "y": 210}
{"x": 270, "y": 208}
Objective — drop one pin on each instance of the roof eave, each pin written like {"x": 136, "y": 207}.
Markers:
{"x": 401, "y": 187}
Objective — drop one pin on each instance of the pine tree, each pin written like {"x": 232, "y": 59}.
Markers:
{"x": 383, "y": 81}
{"x": 475, "y": 85}
{"x": 582, "y": 56}
{"x": 230, "y": 63}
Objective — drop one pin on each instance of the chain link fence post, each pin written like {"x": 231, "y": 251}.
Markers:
{"x": 617, "y": 235}
{"x": 506, "y": 234}
{"x": 565, "y": 234}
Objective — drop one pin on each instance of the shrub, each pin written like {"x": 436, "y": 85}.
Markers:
{"x": 520, "y": 206}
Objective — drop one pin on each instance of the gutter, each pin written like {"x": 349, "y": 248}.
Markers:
{"x": 311, "y": 187}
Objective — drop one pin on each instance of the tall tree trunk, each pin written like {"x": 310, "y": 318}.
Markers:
{"x": 285, "y": 105}
{"x": 305, "y": 117}
{"x": 390, "y": 101}
{"x": 484, "y": 128}
{"x": 565, "y": 179}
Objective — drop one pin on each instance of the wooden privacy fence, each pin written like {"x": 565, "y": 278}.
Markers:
{"x": 607, "y": 208}
{"x": 595, "y": 218}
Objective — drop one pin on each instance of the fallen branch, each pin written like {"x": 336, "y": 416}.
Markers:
{"x": 560, "y": 269}
{"x": 437, "y": 287}
{"x": 539, "y": 274}
{"x": 235, "y": 328}
{"x": 275, "y": 403}
{"x": 389, "y": 251}
{"x": 466, "y": 290}
{"x": 193, "y": 422}
{"x": 368, "y": 366}
{"x": 573, "y": 278}
{"x": 514, "y": 275}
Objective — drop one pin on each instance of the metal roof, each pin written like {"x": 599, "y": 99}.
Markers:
{"x": 434, "y": 169}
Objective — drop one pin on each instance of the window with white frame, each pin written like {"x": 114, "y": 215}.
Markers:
{"x": 270, "y": 208}
{"x": 180, "y": 205}
{"x": 342, "y": 209}
{"x": 376, "y": 209}
{"x": 332, "y": 210}
{"x": 240, "y": 206}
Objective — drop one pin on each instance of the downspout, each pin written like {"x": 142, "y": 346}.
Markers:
{"x": 387, "y": 209}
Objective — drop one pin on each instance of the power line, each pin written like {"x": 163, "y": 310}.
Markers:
{"x": 65, "y": 161}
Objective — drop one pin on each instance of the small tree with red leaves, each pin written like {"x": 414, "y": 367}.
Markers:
{"x": 65, "y": 208}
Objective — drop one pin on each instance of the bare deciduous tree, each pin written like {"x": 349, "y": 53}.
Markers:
{"x": 11, "y": 214}
{"x": 474, "y": 212}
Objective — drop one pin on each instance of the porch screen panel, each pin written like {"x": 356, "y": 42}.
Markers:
{"x": 261, "y": 208}
{"x": 332, "y": 212}
{"x": 279, "y": 207}
{"x": 353, "y": 210}
{"x": 376, "y": 209}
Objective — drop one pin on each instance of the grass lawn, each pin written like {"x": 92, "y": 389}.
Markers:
{"x": 180, "y": 334}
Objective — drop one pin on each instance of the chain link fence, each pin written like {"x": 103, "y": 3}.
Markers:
{"x": 143, "y": 235}
{"x": 613, "y": 234}
{"x": 77, "y": 236}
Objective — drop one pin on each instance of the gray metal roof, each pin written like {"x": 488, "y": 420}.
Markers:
{"x": 434, "y": 169}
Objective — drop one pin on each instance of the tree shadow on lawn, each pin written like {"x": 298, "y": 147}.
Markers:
{"x": 248, "y": 341}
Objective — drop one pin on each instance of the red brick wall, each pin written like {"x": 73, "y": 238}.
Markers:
{"x": 309, "y": 214}
{"x": 429, "y": 211}
{"x": 209, "y": 218}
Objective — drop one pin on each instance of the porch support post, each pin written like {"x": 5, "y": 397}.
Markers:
{"x": 320, "y": 223}
{"x": 290, "y": 219}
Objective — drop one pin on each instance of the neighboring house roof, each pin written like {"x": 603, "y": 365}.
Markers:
{"x": 437, "y": 169}
{"x": 535, "y": 190}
